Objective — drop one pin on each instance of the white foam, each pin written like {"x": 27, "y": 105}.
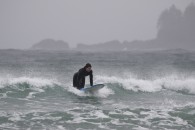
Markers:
{"x": 99, "y": 114}
{"x": 118, "y": 122}
{"x": 132, "y": 83}
{"x": 128, "y": 113}
{"x": 140, "y": 128}
{"x": 46, "y": 117}
{"x": 3, "y": 95}
{"x": 60, "y": 127}
{"x": 181, "y": 84}
{"x": 31, "y": 95}
{"x": 77, "y": 92}
{"x": 15, "y": 116}
{"x": 181, "y": 121}
{"x": 38, "y": 85}
{"x": 76, "y": 120}
{"x": 184, "y": 84}
{"x": 103, "y": 93}
{"x": 35, "y": 83}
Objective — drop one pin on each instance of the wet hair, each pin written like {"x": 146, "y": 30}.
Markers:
{"x": 87, "y": 65}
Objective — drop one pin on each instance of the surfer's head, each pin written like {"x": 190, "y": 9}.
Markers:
{"x": 88, "y": 67}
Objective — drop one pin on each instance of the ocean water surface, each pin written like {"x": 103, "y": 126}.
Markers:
{"x": 152, "y": 90}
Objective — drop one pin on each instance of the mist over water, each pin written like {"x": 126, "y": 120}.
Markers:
{"x": 147, "y": 87}
{"x": 143, "y": 90}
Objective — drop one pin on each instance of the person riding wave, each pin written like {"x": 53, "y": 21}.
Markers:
{"x": 79, "y": 77}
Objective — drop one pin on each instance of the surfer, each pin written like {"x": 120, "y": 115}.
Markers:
{"x": 79, "y": 77}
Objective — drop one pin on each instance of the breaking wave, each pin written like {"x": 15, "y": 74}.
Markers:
{"x": 27, "y": 87}
{"x": 174, "y": 83}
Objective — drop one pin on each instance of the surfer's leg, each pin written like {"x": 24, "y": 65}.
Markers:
{"x": 75, "y": 80}
{"x": 83, "y": 82}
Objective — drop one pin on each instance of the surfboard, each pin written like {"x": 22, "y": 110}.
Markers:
{"x": 92, "y": 88}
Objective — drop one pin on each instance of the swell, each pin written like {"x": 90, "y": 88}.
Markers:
{"x": 27, "y": 87}
{"x": 175, "y": 83}
{"x": 30, "y": 87}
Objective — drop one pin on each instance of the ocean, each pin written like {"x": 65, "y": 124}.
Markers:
{"x": 144, "y": 90}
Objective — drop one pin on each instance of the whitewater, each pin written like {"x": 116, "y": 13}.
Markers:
{"x": 144, "y": 90}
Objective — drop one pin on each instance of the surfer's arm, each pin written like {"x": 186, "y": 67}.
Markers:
{"x": 91, "y": 78}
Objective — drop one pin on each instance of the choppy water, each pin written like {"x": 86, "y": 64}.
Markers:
{"x": 144, "y": 91}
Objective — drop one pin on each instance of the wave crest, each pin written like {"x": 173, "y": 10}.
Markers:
{"x": 25, "y": 86}
{"x": 175, "y": 83}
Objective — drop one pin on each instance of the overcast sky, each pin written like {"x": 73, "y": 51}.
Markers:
{"x": 25, "y": 22}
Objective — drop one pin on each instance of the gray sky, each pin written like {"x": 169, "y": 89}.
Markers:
{"x": 25, "y": 22}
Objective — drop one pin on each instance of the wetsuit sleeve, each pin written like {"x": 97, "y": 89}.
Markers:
{"x": 91, "y": 78}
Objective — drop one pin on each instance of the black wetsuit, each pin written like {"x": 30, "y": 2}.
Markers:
{"x": 79, "y": 78}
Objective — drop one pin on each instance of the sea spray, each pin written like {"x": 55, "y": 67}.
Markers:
{"x": 175, "y": 83}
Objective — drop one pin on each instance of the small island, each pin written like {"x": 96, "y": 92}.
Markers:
{"x": 50, "y": 44}
{"x": 176, "y": 30}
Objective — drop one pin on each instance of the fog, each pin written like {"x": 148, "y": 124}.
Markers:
{"x": 24, "y": 23}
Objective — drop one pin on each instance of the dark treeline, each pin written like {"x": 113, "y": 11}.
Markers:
{"x": 176, "y": 29}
